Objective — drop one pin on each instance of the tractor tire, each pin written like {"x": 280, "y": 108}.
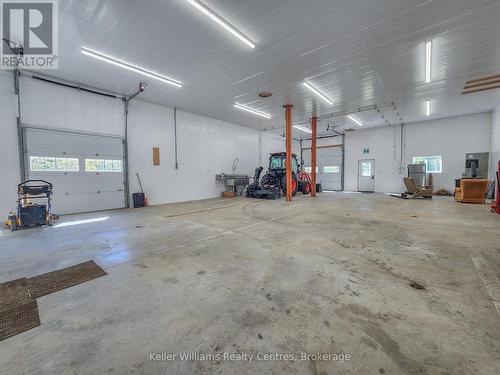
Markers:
{"x": 295, "y": 185}
{"x": 306, "y": 188}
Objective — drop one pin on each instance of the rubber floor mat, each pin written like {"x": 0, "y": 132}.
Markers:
{"x": 64, "y": 278}
{"x": 19, "y": 317}
{"x": 13, "y": 292}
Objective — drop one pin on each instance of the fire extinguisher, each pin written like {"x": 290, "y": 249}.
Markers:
{"x": 496, "y": 206}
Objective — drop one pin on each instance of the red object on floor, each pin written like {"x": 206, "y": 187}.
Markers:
{"x": 496, "y": 206}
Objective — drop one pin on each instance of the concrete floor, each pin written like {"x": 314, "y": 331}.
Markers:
{"x": 325, "y": 275}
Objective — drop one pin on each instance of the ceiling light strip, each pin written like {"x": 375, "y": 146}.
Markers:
{"x": 355, "y": 119}
{"x": 314, "y": 90}
{"x": 221, "y": 22}
{"x": 303, "y": 128}
{"x": 251, "y": 110}
{"x": 125, "y": 65}
{"x": 428, "y": 62}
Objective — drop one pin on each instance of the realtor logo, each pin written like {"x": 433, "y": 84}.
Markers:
{"x": 29, "y": 34}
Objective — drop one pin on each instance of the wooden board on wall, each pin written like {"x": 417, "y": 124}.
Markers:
{"x": 156, "y": 156}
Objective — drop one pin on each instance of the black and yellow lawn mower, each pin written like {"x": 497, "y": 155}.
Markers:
{"x": 30, "y": 214}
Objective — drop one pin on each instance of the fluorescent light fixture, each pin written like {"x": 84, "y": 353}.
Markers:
{"x": 428, "y": 61}
{"x": 303, "y": 128}
{"x": 355, "y": 119}
{"x": 221, "y": 21}
{"x": 78, "y": 222}
{"x": 322, "y": 96}
{"x": 251, "y": 110}
{"x": 125, "y": 65}
{"x": 428, "y": 108}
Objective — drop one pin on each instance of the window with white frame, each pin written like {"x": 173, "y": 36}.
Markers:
{"x": 54, "y": 164}
{"x": 103, "y": 165}
{"x": 433, "y": 164}
{"x": 366, "y": 169}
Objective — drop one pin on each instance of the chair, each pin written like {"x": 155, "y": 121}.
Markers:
{"x": 416, "y": 191}
{"x": 471, "y": 190}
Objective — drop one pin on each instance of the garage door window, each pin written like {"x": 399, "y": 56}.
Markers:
{"x": 331, "y": 169}
{"x": 309, "y": 169}
{"x": 103, "y": 165}
{"x": 54, "y": 164}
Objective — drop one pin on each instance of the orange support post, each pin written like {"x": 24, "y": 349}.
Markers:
{"x": 288, "y": 121}
{"x": 314, "y": 128}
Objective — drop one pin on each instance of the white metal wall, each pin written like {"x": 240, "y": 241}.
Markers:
{"x": 451, "y": 138}
{"x": 205, "y": 147}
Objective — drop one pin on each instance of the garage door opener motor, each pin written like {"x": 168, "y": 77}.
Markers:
{"x": 30, "y": 214}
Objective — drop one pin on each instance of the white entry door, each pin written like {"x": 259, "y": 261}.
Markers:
{"x": 366, "y": 175}
{"x": 86, "y": 170}
{"x": 329, "y": 166}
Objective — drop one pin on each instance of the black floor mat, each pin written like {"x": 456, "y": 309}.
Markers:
{"x": 18, "y": 310}
{"x": 12, "y": 292}
{"x": 64, "y": 278}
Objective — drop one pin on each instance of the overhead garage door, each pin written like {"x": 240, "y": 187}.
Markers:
{"x": 329, "y": 166}
{"x": 87, "y": 171}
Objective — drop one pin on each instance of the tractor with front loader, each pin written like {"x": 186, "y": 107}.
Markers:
{"x": 274, "y": 181}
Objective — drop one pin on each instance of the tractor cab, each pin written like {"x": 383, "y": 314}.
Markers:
{"x": 277, "y": 162}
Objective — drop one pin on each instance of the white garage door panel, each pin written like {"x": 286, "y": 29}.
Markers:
{"x": 326, "y": 159}
{"x": 59, "y": 143}
{"x": 72, "y": 184}
{"x": 81, "y": 183}
{"x": 94, "y": 202}
{"x": 80, "y": 191}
